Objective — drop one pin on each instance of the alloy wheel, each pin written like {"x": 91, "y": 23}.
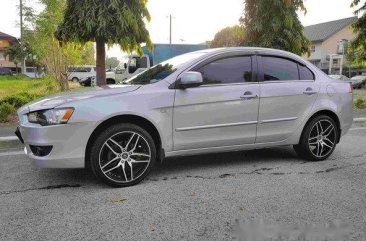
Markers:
{"x": 124, "y": 157}
{"x": 322, "y": 138}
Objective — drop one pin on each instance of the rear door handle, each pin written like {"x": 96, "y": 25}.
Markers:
{"x": 310, "y": 91}
{"x": 248, "y": 95}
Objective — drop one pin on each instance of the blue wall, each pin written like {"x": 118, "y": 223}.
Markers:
{"x": 163, "y": 52}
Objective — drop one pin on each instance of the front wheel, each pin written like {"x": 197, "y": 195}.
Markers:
{"x": 75, "y": 79}
{"x": 318, "y": 139}
{"x": 123, "y": 155}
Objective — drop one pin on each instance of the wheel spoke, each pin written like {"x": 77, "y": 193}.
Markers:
{"x": 329, "y": 132}
{"x": 320, "y": 126}
{"x": 116, "y": 143}
{"x": 129, "y": 141}
{"x": 111, "y": 169}
{"x": 325, "y": 144}
{"x": 124, "y": 170}
{"x": 318, "y": 149}
{"x": 139, "y": 154}
{"x": 114, "y": 159}
{"x": 143, "y": 161}
{"x": 130, "y": 164}
{"x": 327, "y": 139}
{"x": 134, "y": 147}
{"x": 313, "y": 140}
{"x": 110, "y": 148}
{"x": 317, "y": 129}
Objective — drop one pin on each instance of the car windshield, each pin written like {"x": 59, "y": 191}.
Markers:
{"x": 163, "y": 70}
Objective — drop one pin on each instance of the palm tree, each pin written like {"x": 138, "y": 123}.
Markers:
{"x": 106, "y": 22}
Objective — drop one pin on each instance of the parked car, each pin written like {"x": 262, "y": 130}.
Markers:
{"x": 5, "y": 71}
{"x": 89, "y": 81}
{"x": 359, "y": 81}
{"x": 216, "y": 100}
{"x": 34, "y": 73}
{"x": 340, "y": 77}
{"x": 75, "y": 73}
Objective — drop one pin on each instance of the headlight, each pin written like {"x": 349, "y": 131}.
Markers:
{"x": 51, "y": 117}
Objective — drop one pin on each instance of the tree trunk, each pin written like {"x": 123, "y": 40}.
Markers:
{"x": 101, "y": 71}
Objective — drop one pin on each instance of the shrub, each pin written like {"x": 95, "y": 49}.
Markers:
{"x": 360, "y": 103}
{"x": 5, "y": 111}
{"x": 19, "y": 99}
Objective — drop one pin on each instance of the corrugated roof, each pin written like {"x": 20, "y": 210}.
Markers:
{"x": 322, "y": 31}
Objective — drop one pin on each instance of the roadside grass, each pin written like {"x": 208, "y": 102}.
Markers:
{"x": 16, "y": 91}
{"x": 359, "y": 99}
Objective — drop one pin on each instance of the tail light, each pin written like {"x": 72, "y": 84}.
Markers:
{"x": 350, "y": 89}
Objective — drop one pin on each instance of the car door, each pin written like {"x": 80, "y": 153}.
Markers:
{"x": 221, "y": 112}
{"x": 287, "y": 92}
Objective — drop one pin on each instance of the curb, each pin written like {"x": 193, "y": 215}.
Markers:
{"x": 8, "y": 138}
{"x": 359, "y": 119}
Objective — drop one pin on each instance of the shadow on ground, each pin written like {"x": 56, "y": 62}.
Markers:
{"x": 180, "y": 166}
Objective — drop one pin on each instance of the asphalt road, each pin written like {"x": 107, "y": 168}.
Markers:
{"x": 209, "y": 197}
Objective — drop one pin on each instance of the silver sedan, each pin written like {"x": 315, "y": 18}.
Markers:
{"x": 216, "y": 100}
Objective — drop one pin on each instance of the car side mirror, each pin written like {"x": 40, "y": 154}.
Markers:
{"x": 190, "y": 79}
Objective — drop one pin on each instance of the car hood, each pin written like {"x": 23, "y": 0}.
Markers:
{"x": 55, "y": 100}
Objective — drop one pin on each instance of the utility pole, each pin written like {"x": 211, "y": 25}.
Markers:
{"x": 21, "y": 34}
{"x": 170, "y": 29}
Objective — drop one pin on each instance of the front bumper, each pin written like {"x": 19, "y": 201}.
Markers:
{"x": 68, "y": 143}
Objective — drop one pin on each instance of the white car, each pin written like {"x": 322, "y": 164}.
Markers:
{"x": 76, "y": 73}
{"x": 209, "y": 101}
{"x": 340, "y": 77}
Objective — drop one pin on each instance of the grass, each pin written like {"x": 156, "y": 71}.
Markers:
{"x": 359, "y": 98}
{"x": 10, "y": 85}
{"x": 359, "y": 93}
{"x": 16, "y": 91}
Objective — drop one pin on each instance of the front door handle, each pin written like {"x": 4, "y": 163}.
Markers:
{"x": 248, "y": 95}
{"x": 309, "y": 91}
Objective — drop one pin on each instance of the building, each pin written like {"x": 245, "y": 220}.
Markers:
{"x": 329, "y": 43}
{"x": 5, "y": 41}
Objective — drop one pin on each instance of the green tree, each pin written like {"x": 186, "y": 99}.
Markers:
{"x": 228, "y": 37}
{"x": 275, "y": 24}
{"x": 357, "y": 48}
{"x": 112, "y": 62}
{"x": 106, "y": 22}
{"x": 39, "y": 35}
{"x": 16, "y": 54}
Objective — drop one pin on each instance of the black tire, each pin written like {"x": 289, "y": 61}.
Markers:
{"x": 119, "y": 177}
{"x": 111, "y": 82}
{"x": 306, "y": 150}
{"x": 75, "y": 79}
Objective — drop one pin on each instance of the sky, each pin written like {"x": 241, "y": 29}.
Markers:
{"x": 194, "y": 21}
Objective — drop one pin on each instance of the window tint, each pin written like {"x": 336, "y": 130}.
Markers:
{"x": 279, "y": 69}
{"x": 305, "y": 73}
{"x": 228, "y": 70}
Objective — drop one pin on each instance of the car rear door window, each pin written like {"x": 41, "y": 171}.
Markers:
{"x": 279, "y": 69}
{"x": 305, "y": 73}
{"x": 227, "y": 70}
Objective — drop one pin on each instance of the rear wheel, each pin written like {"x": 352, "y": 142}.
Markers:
{"x": 123, "y": 155}
{"x": 75, "y": 79}
{"x": 318, "y": 139}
